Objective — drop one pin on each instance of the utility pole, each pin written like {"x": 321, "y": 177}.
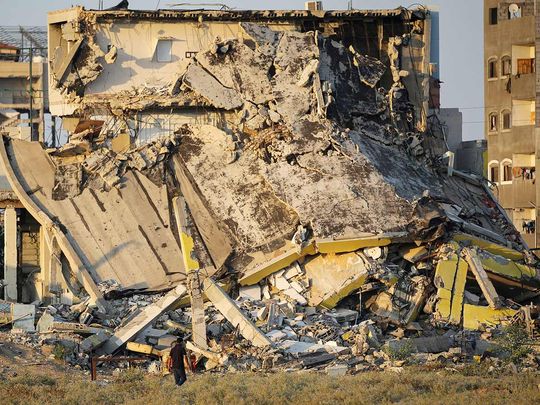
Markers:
{"x": 31, "y": 97}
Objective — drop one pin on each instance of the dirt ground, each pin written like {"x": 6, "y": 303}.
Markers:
{"x": 30, "y": 378}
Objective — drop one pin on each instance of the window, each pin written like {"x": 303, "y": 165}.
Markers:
{"x": 493, "y": 16}
{"x": 506, "y": 171}
{"x": 514, "y": 11}
{"x": 164, "y": 50}
{"x": 493, "y": 172}
{"x": 492, "y": 69}
{"x": 493, "y": 122}
{"x": 506, "y": 66}
{"x": 525, "y": 66}
{"x": 506, "y": 120}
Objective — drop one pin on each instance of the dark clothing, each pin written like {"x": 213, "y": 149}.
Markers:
{"x": 177, "y": 364}
{"x": 177, "y": 355}
{"x": 179, "y": 375}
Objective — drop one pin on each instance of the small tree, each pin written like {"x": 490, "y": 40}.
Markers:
{"x": 514, "y": 342}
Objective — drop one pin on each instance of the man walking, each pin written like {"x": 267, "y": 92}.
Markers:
{"x": 176, "y": 362}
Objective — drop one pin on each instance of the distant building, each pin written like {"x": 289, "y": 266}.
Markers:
{"x": 452, "y": 122}
{"x": 18, "y": 92}
{"x": 511, "y": 89}
{"x": 471, "y": 156}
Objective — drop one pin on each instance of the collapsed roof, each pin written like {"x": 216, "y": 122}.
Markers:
{"x": 320, "y": 150}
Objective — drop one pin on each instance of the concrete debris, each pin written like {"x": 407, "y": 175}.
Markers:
{"x": 48, "y": 323}
{"x": 19, "y": 316}
{"x": 201, "y": 82}
{"x": 370, "y": 69}
{"x": 140, "y": 319}
{"x": 337, "y": 370}
{"x": 93, "y": 342}
{"x": 231, "y": 312}
{"x": 432, "y": 344}
{"x": 401, "y": 303}
{"x": 272, "y": 197}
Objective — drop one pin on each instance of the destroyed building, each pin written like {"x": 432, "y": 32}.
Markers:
{"x": 261, "y": 177}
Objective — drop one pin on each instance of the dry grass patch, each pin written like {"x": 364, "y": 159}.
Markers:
{"x": 412, "y": 386}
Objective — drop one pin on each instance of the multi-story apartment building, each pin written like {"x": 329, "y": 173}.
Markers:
{"x": 23, "y": 85}
{"x": 511, "y": 29}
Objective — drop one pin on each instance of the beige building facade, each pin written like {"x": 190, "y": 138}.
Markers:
{"x": 510, "y": 92}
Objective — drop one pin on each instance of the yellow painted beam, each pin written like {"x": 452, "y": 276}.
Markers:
{"x": 475, "y": 317}
{"x": 289, "y": 256}
{"x": 444, "y": 276}
{"x": 489, "y": 246}
{"x": 458, "y": 291}
{"x": 332, "y": 277}
{"x": 415, "y": 254}
{"x": 186, "y": 240}
{"x": 275, "y": 264}
{"x": 347, "y": 289}
{"x": 504, "y": 267}
{"x": 142, "y": 348}
{"x": 350, "y": 245}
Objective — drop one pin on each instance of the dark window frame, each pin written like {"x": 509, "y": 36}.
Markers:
{"x": 493, "y": 72}
{"x": 493, "y": 16}
{"x": 493, "y": 122}
{"x": 506, "y": 120}
{"x": 506, "y": 66}
{"x": 494, "y": 172}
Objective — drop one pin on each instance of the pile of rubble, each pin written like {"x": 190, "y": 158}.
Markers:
{"x": 314, "y": 228}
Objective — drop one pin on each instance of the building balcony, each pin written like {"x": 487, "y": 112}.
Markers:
{"x": 524, "y": 193}
{"x": 505, "y": 195}
{"x": 524, "y": 87}
{"x": 19, "y": 70}
{"x": 19, "y": 99}
{"x": 519, "y": 139}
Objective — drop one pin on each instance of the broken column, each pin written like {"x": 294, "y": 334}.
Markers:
{"x": 191, "y": 265}
{"x": 232, "y": 313}
{"x": 10, "y": 254}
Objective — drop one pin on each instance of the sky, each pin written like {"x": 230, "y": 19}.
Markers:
{"x": 461, "y": 39}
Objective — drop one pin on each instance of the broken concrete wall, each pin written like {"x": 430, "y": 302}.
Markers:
{"x": 130, "y": 242}
{"x": 150, "y": 51}
{"x": 149, "y": 124}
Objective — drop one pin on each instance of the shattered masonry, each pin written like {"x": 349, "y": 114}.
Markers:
{"x": 279, "y": 179}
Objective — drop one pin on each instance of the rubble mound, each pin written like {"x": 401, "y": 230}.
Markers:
{"x": 318, "y": 205}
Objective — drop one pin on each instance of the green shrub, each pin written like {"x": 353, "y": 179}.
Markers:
{"x": 59, "y": 352}
{"x": 403, "y": 352}
{"x": 514, "y": 343}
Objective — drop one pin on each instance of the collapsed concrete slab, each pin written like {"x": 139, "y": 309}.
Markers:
{"x": 140, "y": 319}
{"x": 334, "y": 277}
{"x": 231, "y": 312}
{"x": 115, "y": 244}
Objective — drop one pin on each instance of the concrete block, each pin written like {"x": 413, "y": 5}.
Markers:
{"x": 251, "y": 292}
{"x": 337, "y": 370}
